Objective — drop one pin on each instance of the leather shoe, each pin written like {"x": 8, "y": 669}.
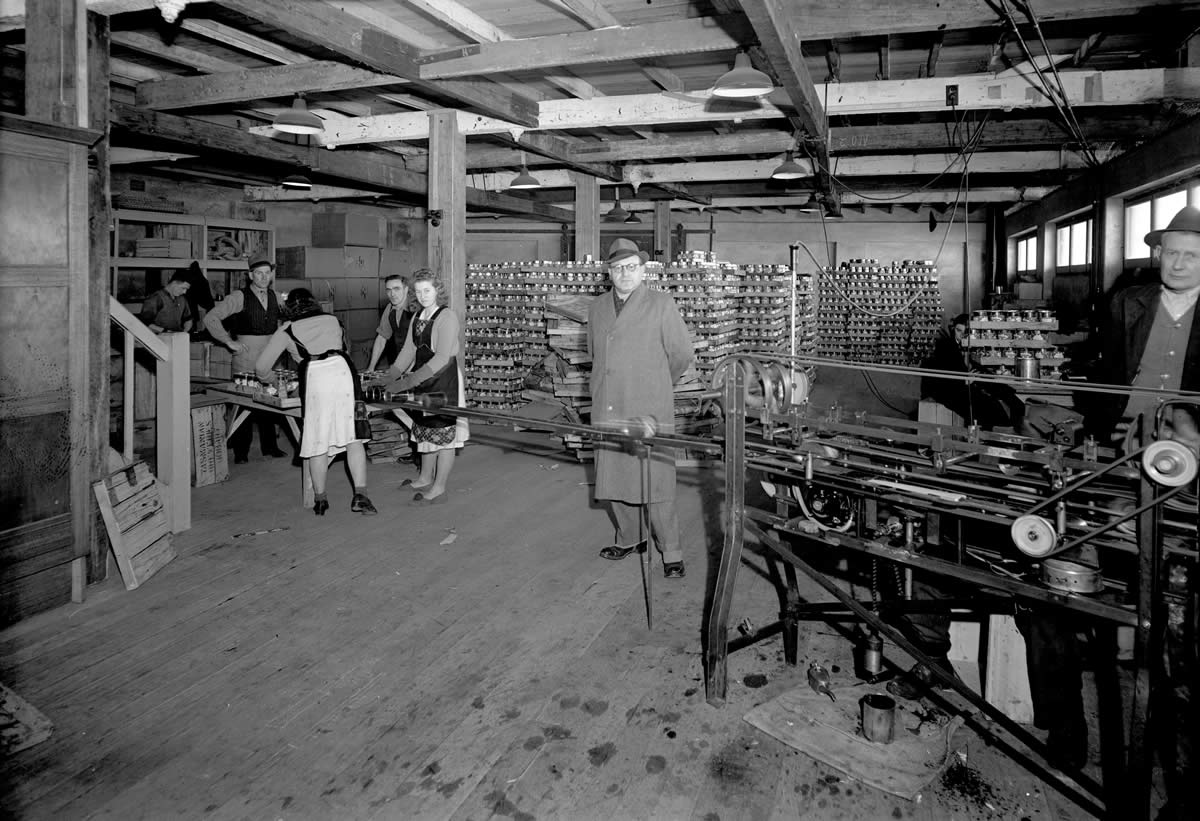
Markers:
{"x": 673, "y": 570}
{"x": 422, "y": 499}
{"x": 275, "y": 453}
{"x": 918, "y": 682}
{"x": 615, "y": 552}
{"x": 320, "y": 506}
{"x": 239, "y": 459}
{"x": 361, "y": 504}
{"x": 1067, "y": 745}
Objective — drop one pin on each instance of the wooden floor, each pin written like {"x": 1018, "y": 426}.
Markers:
{"x": 472, "y": 660}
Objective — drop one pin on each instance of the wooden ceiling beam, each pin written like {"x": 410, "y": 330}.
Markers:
{"x": 155, "y": 47}
{"x": 691, "y": 36}
{"x": 561, "y": 153}
{"x": 373, "y": 169}
{"x": 375, "y": 48}
{"x": 1084, "y": 88}
{"x": 862, "y": 18}
{"x": 876, "y": 196}
{"x": 259, "y": 84}
{"x": 471, "y": 25}
{"x": 595, "y": 15}
{"x": 998, "y": 162}
{"x": 917, "y": 137}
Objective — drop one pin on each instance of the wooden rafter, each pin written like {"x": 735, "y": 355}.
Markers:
{"x": 368, "y": 45}
{"x": 258, "y": 84}
{"x": 580, "y": 48}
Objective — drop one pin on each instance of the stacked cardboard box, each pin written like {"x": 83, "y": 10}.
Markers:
{"x": 343, "y": 265}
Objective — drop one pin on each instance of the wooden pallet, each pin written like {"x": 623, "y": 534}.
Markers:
{"x": 138, "y": 530}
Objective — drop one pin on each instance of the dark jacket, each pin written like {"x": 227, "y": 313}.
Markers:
{"x": 1130, "y": 316}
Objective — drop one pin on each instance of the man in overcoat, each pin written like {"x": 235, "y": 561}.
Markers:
{"x": 640, "y": 348}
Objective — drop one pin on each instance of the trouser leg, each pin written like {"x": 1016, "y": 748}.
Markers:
{"x": 929, "y": 631}
{"x": 664, "y": 522}
{"x": 1055, "y": 660}
{"x": 627, "y": 518}
{"x": 240, "y": 440}
{"x": 266, "y": 432}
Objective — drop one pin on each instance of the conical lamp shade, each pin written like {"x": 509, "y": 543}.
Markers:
{"x": 296, "y": 182}
{"x": 617, "y": 214}
{"x": 812, "y": 206}
{"x": 789, "y": 169}
{"x": 743, "y": 80}
{"x": 525, "y": 180}
{"x": 834, "y": 214}
{"x": 633, "y": 219}
{"x": 299, "y": 120}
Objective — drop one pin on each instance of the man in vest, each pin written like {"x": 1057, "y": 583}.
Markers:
{"x": 393, "y": 324}
{"x": 252, "y": 314}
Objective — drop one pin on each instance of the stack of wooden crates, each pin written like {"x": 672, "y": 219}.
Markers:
{"x": 346, "y": 263}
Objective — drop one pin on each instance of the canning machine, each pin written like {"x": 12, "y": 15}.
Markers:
{"x": 1058, "y": 522}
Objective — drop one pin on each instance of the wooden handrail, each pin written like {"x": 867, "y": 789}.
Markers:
{"x": 150, "y": 341}
{"x": 173, "y": 439}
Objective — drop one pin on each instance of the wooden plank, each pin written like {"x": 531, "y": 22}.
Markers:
{"x": 152, "y": 558}
{"x": 779, "y": 32}
{"x": 447, "y": 241}
{"x": 126, "y": 482}
{"x": 142, "y": 505}
{"x": 330, "y": 28}
{"x": 688, "y": 36}
{"x": 114, "y": 531}
{"x": 258, "y": 83}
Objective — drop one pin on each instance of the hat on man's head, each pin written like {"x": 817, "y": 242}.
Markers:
{"x": 1187, "y": 220}
{"x": 261, "y": 259}
{"x": 622, "y": 248}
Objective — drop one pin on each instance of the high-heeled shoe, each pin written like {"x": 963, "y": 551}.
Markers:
{"x": 320, "y": 506}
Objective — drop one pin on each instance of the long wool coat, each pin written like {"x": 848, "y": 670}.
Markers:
{"x": 637, "y": 358}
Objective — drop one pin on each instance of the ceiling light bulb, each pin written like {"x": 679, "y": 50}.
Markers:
{"x": 743, "y": 80}
{"x": 813, "y": 205}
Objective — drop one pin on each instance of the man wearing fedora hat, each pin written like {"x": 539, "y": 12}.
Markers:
{"x": 253, "y": 316}
{"x": 1152, "y": 339}
{"x": 640, "y": 348}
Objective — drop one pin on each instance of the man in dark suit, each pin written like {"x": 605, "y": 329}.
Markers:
{"x": 1152, "y": 340}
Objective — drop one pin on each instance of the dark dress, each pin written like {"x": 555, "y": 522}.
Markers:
{"x": 434, "y": 428}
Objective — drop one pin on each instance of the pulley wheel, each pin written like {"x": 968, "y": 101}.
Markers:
{"x": 1169, "y": 463}
{"x": 1034, "y": 535}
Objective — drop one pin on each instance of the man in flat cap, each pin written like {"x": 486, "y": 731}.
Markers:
{"x": 253, "y": 316}
{"x": 640, "y": 348}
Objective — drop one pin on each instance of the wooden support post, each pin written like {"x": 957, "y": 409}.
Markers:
{"x": 99, "y": 216}
{"x": 448, "y": 195}
{"x": 587, "y": 216}
{"x": 174, "y": 435}
{"x": 56, "y": 88}
{"x": 662, "y": 231}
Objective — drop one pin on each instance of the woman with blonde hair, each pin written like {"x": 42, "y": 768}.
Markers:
{"x": 429, "y": 364}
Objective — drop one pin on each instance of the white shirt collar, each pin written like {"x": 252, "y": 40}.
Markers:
{"x": 1179, "y": 303}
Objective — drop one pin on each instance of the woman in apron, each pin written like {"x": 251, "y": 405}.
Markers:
{"x": 330, "y": 394}
{"x": 429, "y": 364}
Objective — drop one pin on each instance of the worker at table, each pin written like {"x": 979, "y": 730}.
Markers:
{"x": 252, "y": 314}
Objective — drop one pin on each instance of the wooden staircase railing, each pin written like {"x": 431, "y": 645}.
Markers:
{"x": 173, "y": 411}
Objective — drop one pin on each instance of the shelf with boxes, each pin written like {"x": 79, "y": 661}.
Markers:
{"x": 1016, "y": 343}
{"x": 881, "y": 313}
{"x": 344, "y": 266}
{"x": 148, "y": 246}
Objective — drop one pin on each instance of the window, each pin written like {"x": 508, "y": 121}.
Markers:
{"x": 1151, "y": 214}
{"x": 1027, "y": 257}
{"x": 1074, "y": 246}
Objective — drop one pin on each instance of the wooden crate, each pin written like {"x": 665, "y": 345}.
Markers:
{"x": 210, "y": 460}
{"x": 133, "y": 514}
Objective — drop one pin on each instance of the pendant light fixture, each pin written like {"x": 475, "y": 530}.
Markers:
{"x": 298, "y": 119}
{"x": 743, "y": 80}
{"x": 789, "y": 169}
{"x": 633, "y": 219}
{"x": 833, "y": 211}
{"x": 813, "y": 205}
{"x": 617, "y": 213}
{"x": 296, "y": 182}
{"x": 525, "y": 179}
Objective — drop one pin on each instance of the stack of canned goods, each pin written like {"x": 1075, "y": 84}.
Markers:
{"x": 1016, "y": 342}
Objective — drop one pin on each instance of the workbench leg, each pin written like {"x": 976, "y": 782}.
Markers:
{"x": 237, "y": 416}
